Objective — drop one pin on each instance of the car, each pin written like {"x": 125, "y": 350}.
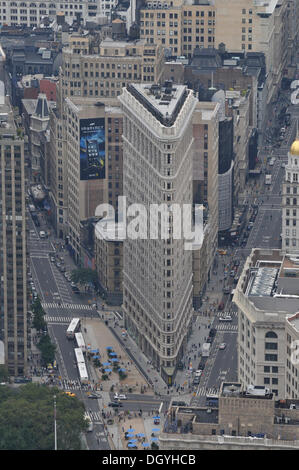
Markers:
{"x": 94, "y": 395}
{"x": 221, "y": 306}
{"x": 70, "y": 394}
{"x": 222, "y": 346}
{"x": 222, "y": 252}
{"x": 209, "y": 340}
{"x": 196, "y": 380}
{"x": 226, "y": 318}
{"x": 52, "y": 259}
{"x": 232, "y": 273}
{"x": 119, "y": 397}
{"x": 22, "y": 380}
{"x": 198, "y": 373}
{"x": 115, "y": 404}
{"x": 226, "y": 290}
{"x": 212, "y": 332}
{"x": 178, "y": 403}
{"x": 42, "y": 234}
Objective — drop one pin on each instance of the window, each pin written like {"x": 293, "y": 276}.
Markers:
{"x": 270, "y": 357}
{"x": 270, "y": 334}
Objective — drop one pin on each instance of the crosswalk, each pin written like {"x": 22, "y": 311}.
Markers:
{"x": 95, "y": 416}
{"x": 203, "y": 391}
{"x": 50, "y": 319}
{"x": 226, "y": 327}
{"x": 68, "y": 306}
{"x": 224, "y": 314}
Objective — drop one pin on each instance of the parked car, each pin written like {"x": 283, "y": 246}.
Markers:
{"x": 22, "y": 380}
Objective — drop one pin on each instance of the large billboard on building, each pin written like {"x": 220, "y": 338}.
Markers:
{"x": 92, "y": 149}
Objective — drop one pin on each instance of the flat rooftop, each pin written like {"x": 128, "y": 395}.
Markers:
{"x": 271, "y": 281}
{"x": 164, "y": 102}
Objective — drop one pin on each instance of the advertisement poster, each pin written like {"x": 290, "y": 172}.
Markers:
{"x": 92, "y": 149}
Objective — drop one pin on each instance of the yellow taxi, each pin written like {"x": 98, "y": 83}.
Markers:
{"x": 70, "y": 394}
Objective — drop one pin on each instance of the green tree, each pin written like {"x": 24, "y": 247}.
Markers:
{"x": 4, "y": 375}
{"x": 37, "y": 306}
{"x": 47, "y": 349}
{"x": 38, "y": 321}
{"x": 84, "y": 276}
{"x": 27, "y": 419}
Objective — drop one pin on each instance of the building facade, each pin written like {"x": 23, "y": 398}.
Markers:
{"x": 157, "y": 275}
{"x": 14, "y": 329}
{"x": 179, "y": 25}
{"x": 205, "y": 189}
{"x": 106, "y": 73}
{"x": 290, "y": 202}
{"x": 239, "y": 420}
{"x": 267, "y": 292}
{"x": 31, "y": 14}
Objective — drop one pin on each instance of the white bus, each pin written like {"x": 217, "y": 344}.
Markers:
{"x": 83, "y": 373}
{"x": 79, "y": 356}
{"x": 90, "y": 423}
{"x": 80, "y": 341}
{"x": 72, "y": 328}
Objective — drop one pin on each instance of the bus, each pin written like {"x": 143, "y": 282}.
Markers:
{"x": 83, "y": 373}
{"x": 79, "y": 356}
{"x": 72, "y": 328}
{"x": 90, "y": 423}
{"x": 80, "y": 341}
{"x": 212, "y": 400}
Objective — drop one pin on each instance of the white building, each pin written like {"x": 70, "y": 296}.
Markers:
{"x": 292, "y": 356}
{"x": 31, "y": 13}
{"x": 290, "y": 202}
{"x": 267, "y": 292}
{"x": 157, "y": 276}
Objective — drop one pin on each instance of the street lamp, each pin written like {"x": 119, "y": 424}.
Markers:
{"x": 55, "y": 429}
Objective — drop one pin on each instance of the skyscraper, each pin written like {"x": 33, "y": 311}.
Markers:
{"x": 157, "y": 169}
{"x": 13, "y": 293}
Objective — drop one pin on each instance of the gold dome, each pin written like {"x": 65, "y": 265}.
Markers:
{"x": 294, "y": 150}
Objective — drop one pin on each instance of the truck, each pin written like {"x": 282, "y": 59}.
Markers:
{"x": 268, "y": 179}
{"x": 205, "y": 350}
